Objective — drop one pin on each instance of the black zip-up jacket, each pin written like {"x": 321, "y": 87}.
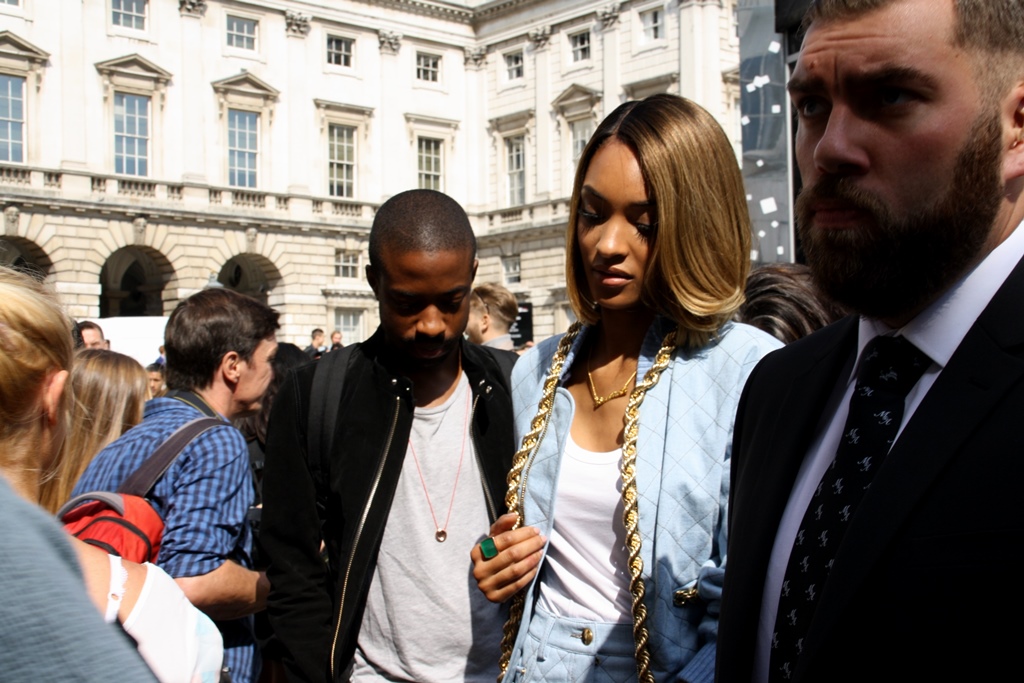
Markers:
{"x": 316, "y": 608}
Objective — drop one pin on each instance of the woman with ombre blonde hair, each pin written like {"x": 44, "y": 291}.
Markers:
{"x": 613, "y": 550}
{"x": 110, "y": 390}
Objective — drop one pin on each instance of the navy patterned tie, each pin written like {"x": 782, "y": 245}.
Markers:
{"x": 891, "y": 366}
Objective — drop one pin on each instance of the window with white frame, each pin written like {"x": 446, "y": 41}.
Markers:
{"x": 429, "y": 159}
{"x": 579, "y": 43}
{"x": 339, "y": 51}
{"x": 515, "y": 169}
{"x": 652, "y": 23}
{"x": 128, "y": 13}
{"x": 243, "y": 147}
{"x": 341, "y": 165}
{"x": 12, "y": 118}
{"x": 350, "y": 322}
{"x": 510, "y": 267}
{"x": 131, "y": 134}
{"x": 514, "y": 65}
{"x": 14, "y": 3}
{"x": 581, "y": 130}
{"x": 241, "y": 32}
{"x": 428, "y": 67}
{"x": 346, "y": 263}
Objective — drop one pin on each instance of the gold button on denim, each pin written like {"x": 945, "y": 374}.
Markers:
{"x": 587, "y": 636}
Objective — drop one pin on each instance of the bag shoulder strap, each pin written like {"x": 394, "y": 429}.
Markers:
{"x": 324, "y": 401}
{"x": 142, "y": 480}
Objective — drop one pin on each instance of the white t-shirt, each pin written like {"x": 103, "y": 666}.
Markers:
{"x": 586, "y": 573}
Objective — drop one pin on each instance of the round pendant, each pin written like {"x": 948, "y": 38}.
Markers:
{"x": 441, "y": 535}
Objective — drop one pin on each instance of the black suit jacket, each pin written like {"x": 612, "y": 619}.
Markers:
{"x": 928, "y": 583}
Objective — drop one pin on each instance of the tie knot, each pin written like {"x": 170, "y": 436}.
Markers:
{"x": 891, "y": 365}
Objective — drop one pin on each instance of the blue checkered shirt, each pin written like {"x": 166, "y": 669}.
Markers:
{"x": 203, "y": 499}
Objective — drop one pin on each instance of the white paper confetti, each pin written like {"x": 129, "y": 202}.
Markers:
{"x": 751, "y": 87}
{"x": 753, "y": 254}
{"x": 780, "y": 250}
{"x": 761, "y": 233}
{"x": 744, "y": 120}
{"x": 775, "y": 224}
{"x": 749, "y": 197}
{"x": 776, "y": 108}
{"x": 768, "y": 205}
{"x": 774, "y": 47}
{"x": 760, "y": 163}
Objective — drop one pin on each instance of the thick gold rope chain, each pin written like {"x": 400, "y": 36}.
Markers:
{"x": 631, "y": 515}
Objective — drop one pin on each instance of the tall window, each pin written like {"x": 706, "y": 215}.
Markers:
{"x": 580, "y": 44}
{"x": 12, "y": 118}
{"x": 131, "y": 134}
{"x": 511, "y": 268}
{"x": 581, "y": 132}
{"x": 129, "y": 13}
{"x": 339, "y": 51}
{"x": 243, "y": 147}
{"x": 10, "y": 2}
{"x": 346, "y": 263}
{"x": 514, "y": 65}
{"x": 242, "y": 33}
{"x": 429, "y": 158}
{"x": 515, "y": 169}
{"x": 341, "y": 149}
{"x": 350, "y": 323}
{"x": 653, "y": 24}
{"x": 428, "y": 67}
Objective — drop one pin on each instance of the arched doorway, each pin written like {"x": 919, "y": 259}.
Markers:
{"x": 250, "y": 274}
{"x": 26, "y": 256}
{"x": 133, "y": 281}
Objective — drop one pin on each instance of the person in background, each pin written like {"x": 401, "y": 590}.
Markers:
{"x": 220, "y": 346}
{"x": 92, "y": 335}
{"x": 317, "y": 346}
{"x": 492, "y": 310}
{"x": 336, "y": 341}
{"x": 51, "y": 626}
{"x": 782, "y": 300}
{"x": 110, "y": 390}
{"x": 155, "y": 373}
{"x": 613, "y": 552}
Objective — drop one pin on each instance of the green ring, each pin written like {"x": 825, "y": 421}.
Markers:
{"x": 488, "y": 549}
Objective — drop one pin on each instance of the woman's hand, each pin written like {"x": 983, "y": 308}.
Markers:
{"x": 508, "y": 572}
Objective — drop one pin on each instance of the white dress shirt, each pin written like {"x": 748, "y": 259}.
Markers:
{"x": 937, "y": 331}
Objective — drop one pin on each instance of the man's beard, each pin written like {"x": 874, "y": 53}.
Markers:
{"x": 895, "y": 265}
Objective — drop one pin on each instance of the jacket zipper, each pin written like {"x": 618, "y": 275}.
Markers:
{"x": 480, "y": 464}
{"x": 359, "y": 529}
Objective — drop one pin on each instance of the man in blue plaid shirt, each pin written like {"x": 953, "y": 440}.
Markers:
{"x": 219, "y": 350}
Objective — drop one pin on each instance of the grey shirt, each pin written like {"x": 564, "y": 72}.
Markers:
{"x": 425, "y": 620}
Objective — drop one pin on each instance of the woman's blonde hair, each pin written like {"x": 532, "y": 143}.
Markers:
{"x": 35, "y": 342}
{"x": 110, "y": 391}
{"x": 700, "y": 255}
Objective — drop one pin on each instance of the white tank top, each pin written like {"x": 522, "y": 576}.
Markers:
{"x": 585, "y": 573}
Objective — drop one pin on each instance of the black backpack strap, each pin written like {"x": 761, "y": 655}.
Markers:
{"x": 142, "y": 480}
{"x": 324, "y": 401}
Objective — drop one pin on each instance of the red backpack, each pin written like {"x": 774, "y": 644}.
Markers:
{"x": 125, "y": 523}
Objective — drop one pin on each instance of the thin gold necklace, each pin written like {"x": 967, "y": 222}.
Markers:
{"x": 601, "y": 400}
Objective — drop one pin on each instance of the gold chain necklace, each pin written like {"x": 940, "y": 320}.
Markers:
{"x": 631, "y": 515}
{"x": 601, "y": 400}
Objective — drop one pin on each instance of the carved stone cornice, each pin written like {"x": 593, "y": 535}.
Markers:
{"x": 390, "y": 41}
{"x": 609, "y": 15}
{"x": 296, "y": 23}
{"x": 192, "y": 8}
{"x": 540, "y": 37}
{"x": 475, "y": 56}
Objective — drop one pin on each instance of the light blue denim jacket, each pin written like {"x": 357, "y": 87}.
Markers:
{"x": 683, "y": 446}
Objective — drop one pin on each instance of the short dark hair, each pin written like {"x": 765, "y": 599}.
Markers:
{"x": 90, "y": 325}
{"x": 156, "y": 367}
{"x": 782, "y": 300}
{"x": 208, "y": 325}
{"x": 420, "y": 220}
{"x": 315, "y": 332}
{"x": 500, "y": 302}
{"x": 993, "y": 28}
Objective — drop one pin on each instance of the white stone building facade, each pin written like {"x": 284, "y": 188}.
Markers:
{"x": 149, "y": 146}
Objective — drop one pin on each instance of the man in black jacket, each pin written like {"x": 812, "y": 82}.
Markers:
{"x": 408, "y": 482}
